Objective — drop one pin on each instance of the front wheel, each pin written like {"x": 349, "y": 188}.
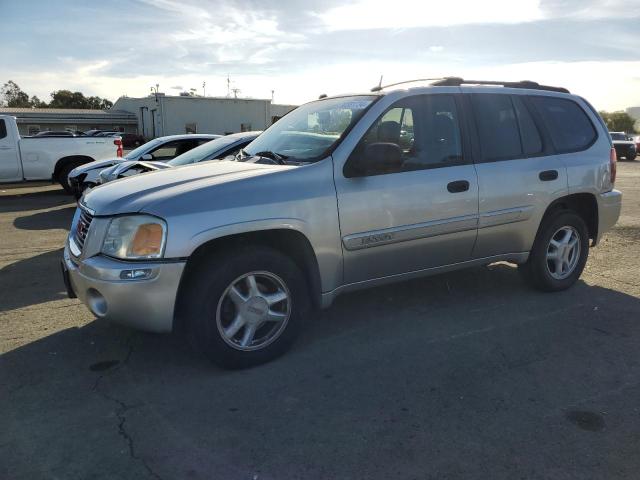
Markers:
{"x": 246, "y": 307}
{"x": 63, "y": 177}
{"x": 559, "y": 253}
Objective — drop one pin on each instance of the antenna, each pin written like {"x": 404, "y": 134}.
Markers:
{"x": 380, "y": 83}
{"x": 228, "y": 86}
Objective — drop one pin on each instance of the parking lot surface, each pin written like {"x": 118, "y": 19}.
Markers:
{"x": 465, "y": 375}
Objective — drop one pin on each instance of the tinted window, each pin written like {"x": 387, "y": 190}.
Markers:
{"x": 497, "y": 126}
{"x": 3, "y": 129}
{"x": 531, "y": 141}
{"x": 425, "y": 128}
{"x": 569, "y": 126}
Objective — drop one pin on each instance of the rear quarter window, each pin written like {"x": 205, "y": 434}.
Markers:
{"x": 3, "y": 129}
{"x": 569, "y": 127}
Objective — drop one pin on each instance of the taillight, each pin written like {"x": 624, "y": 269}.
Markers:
{"x": 613, "y": 160}
{"x": 118, "y": 143}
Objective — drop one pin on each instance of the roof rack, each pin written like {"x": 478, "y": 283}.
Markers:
{"x": 457, "y": 81}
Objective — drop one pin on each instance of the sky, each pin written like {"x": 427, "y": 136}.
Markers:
{"x": 300, "y": 50}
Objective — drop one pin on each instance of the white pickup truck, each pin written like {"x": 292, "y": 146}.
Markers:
{"x": 48, "y": 158}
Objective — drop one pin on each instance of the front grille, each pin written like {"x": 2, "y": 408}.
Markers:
{"x": 82, "y": 228}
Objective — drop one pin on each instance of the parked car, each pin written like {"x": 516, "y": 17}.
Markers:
{"x": 132, "y": 140}
{"x": 217, "y": 149}
{"x": 56, "y": 133}
{"x": 636, "y": 140}
{"x": 331, "y": 199}
{"x": 92, "y": 133}
{"x": 160, "y": 149}
{"x": 624, "y": 145}
{"x": 48, "y": 158}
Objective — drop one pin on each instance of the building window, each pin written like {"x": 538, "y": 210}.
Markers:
{"x": 191, "y": 128}
{"x": 245, "y": 127}
{"x": 33, "y": 129}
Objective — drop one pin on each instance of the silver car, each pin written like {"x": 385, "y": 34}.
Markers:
{"x": 161, "y": 149}
{"x": 216, "y": 149}
{"x": 346, "y": 193}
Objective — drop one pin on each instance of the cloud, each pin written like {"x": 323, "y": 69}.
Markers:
{"x": 379, "y": 14}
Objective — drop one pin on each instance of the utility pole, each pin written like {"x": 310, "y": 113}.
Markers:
{"x": 272, "y": 92}
{"x": 204, "y": 84}
{"x": 235, "y": 92}
{"x": 228, "y": 86}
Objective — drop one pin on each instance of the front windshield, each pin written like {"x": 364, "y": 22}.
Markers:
{"x": 312, "y": 129}
{"x": 618, "y": 136}
{"x": 142, "y": 149}
{"x": 203, "y": 152}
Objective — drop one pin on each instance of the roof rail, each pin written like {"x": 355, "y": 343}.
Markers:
{"x": 457, "y": 81}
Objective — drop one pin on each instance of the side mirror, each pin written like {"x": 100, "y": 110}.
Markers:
{"x": 146, "y": 156}
{"x": 375, "y": 159}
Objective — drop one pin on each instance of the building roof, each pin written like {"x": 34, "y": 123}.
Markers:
{"x": 62, "y": 115}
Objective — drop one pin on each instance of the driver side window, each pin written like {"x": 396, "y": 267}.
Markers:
{"x": 421, "y": 132}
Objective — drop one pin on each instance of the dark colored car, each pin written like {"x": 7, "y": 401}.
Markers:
{"x": 624, "y": 145}
{"x": 132, "y": 140}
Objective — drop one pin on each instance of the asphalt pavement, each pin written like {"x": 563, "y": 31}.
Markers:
{"x": 465, "y": 375}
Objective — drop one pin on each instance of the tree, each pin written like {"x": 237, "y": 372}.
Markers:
{"x": 69, "y": 99}
{"x": 618, "y": 121}
{"x": 13, "y": 96}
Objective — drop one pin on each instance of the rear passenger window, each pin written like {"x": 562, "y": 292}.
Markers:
{"x": 569, "y": 127}
{"x": 497, "y": 126}
{"x": 3, "y": 129}
{"x": 531, "y": 141}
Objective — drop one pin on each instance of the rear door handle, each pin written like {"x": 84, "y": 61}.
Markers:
{"x": 458, "y": 186}
{"x": 548, "y": 175}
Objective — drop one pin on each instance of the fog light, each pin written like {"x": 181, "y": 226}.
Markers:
{"x": 136, "y": 274}
{"x": 96, "y": 302}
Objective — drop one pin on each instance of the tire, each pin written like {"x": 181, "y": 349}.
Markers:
{"x": 63, "y": 177}
{"x": 542, "y": 272}
{"x": 208, "y": 309}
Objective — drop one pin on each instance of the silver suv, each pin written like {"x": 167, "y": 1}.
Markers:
{"x": 345, "y": 193}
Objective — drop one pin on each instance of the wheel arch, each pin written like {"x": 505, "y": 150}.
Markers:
{"x": 288, "y": 241}
{"x": 584, "y": 204}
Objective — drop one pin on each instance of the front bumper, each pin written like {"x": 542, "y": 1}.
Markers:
{"x": 146, "y": 304}
{"x": 609, "y": 207}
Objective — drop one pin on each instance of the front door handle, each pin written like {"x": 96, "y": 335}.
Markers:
{"x": 458, "y": 186}
{"x": 548, "y": 175}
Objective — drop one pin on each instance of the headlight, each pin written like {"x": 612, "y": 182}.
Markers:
{"x": 135, "y": 237}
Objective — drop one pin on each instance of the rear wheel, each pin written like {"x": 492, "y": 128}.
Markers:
{"x": 559, "y": 253}
{"x": 246, "y": 307}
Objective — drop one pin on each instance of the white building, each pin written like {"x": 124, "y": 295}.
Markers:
{"x": 161, "y": 114}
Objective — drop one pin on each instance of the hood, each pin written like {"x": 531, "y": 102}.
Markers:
{"x": 120, "y": 169}
{"x": 98, "y": 164}
{"x": 132, "y": 194}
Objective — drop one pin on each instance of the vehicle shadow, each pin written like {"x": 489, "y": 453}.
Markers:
{"x": 19, "y": 287}
{"x": 376, "y": 384}
{"x": 16, "y": 201}
{"x": 47, "y": 220}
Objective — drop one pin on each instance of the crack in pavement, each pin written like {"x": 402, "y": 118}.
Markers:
{"x": 121, "y": 412}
